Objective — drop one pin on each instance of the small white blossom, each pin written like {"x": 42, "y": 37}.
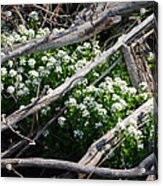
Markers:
{"x": 12, "y": 73}
{"x": 97, "y": 125}
{"x": 10, "y": 63}
{"x": 20, "y": 69}
{"x": 116, "y": 97}
{"x": 85, "y": 113}
{"x": 46, "y": 133}
{"x": 23, "y": 39}
{"x": 50, "y": 91}
{"x": 10, "y": 89}
{"x": 21, "y": 107}
{"x": 78, "y": 133}
{"x": 58, "y": 69}
{"x": 31, "y": 63}
{"x": 44, "y": 58}
{"x": 116, "y": 107}
{"x": 19, "y": 77}
{"x": 33, "y": 73}
{"x": 34, "y": 15}
{"x": 31, "y": 33}
{"x": 142, "y": 11}
{"x": 61, "y": 121}
{"x": 120, "y": 125}
{"x": 3, "y": 71}
{"x": 71, "y": 102}
{"x": 132, "y": 91}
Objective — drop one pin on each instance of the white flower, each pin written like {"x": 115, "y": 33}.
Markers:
{"x": 23, "y": 39}
{"x": 33, "y": 73}
{"x": 52, "y": 59}
{"x": 49, "y": 65}
{"x": 19, "y": 77}
{"x": 20, "y": 69}
{"x": 10, "y": 63}
{"x": 12, "y": 73}
{"x": 123, "y": 102}
{"x": 58, "y": 69}
{"x": 82, "y": 107}
{"x": 3, "y": 71}
{"x": 78, "y": 133}
{"x": 90, "y": 88}
{"x": 34, "y": 15}
{"x": 21, "y": 107}
{"x": 102, "y": 111}
{"x": 142, "y": 11}
{"x": 132, "y": 130}
{"x": 116, "y": 97}
{"x": 22, "y": 61}
{"x": 132, "y": 91}
{"x": 120, "y": 125}
{"x": 2, "y": 86}
{"x": 61, "y": 121}
{"x": 23, "y": 91}
{"x": 46, "y": 133}
{"x": 50, "y": 91}
{"x": 31, "y": 33}
{"x": 71, "y": 102}
{"x": 116, "y": 107}
{"x": 31, "y": 63}
{"x": 140, "y": 145}
{"x": 16, "y": 36}
{"x": 96, "y": 74}
{"x": 2, "y": 54}
{"x": 44, "y": 112}
{"x": 133, "y": 122}
{"x": 86, "y": 124}
{"x": 8, "y": 13}
{"x": 46, "y": 30}
{"x": 10, "y": 89}
{"x": 22, "y": 30}
{"x": 85, "y": 113}
{"x": 44, "y": 58}
{"x": 62, "y": 53}
{"x": 97, "y": 125}
{"x": 87, "y": 45}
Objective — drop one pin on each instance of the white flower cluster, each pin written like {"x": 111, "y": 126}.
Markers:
{"x": 71, "y": 102}
{"x": 78, "y": 133}
{"x": 118, "y": 106}
{"x": 34, "y": 15}
{"x": 61, "y": 121}
{"x": 45, "y": 110}
{"x": 3, "y": 71}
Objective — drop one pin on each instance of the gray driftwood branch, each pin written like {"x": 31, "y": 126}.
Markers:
{"x": 139, "y": 171}
{"x": 68, "y": 84}
{"x": 107, "y": 17}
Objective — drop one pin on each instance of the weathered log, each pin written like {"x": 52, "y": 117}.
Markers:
{"x": 139, "y": 171}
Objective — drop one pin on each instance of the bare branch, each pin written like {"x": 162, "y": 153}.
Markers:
{"x": 138, "y": 171}
{"x": 75, "y": 34}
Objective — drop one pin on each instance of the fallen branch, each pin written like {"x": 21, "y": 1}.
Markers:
{"x": 75, "y": 34}
{"x": 139, "y": 171}
{"x": 67, "y": 85}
